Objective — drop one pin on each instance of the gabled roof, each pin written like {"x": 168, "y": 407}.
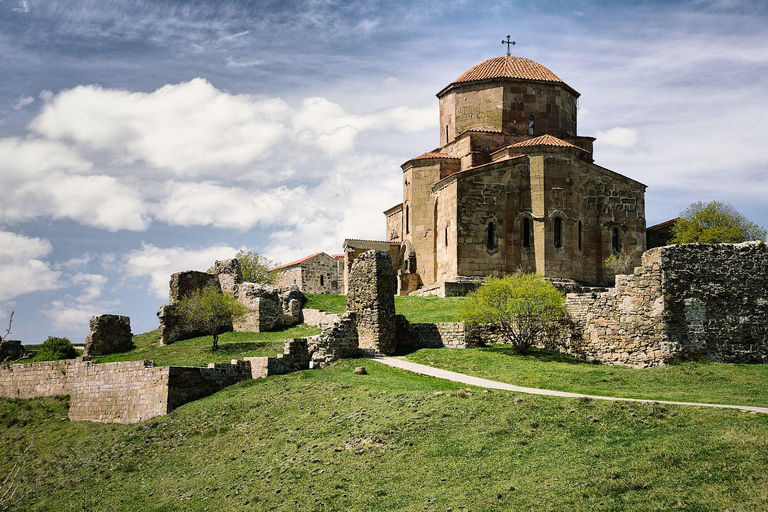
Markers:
{"x": 545, "y": 140}
{"x": 302, "y": 260}
{"x": 433, "y": 154}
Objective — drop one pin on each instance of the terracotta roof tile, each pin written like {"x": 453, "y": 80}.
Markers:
{"x": 545, "y": 140}
{"x": 302, "y": 260}
{"x": 433, "y": 154}
{"x": 508, "y": 67}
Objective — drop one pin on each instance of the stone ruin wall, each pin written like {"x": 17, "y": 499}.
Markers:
{"x": 625, "y": 325}
{"x": 268, "y": 308}
{"x": 124, "y": 392}
{"x": 108, "y": 334}
{"x": 371, "y": 298}
{"x": 685, "y": 302}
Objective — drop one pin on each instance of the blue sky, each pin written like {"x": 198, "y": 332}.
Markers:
{"x": 142, "y": 138}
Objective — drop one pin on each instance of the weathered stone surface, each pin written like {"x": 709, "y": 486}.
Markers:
{"x": 318, "y": 273}
{"x": 685, "y": 301}
{"x": 371, "y": 297}
{"x": 109, "y": 334}
{"x": 317, "y": 318}
{"x": 124, "y": 392}
{"x": 337, "y": 341}
{"x": 268, "y": 307}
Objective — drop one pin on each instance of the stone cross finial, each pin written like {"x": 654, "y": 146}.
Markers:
{"x": 508, "y": 43}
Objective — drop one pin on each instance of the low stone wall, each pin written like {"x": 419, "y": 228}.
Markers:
{"x": 437, "y": 335}
{"x": 124, "y": 392}
{"x": 317, "y": 318}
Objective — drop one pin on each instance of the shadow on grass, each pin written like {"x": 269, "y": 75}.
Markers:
{"x": 225, "y": 348}
{"x": 537, "y": 354}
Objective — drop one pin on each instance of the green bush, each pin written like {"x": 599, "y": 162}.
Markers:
{"x": 526, "y": 309}
{"x": 54, "y": 349}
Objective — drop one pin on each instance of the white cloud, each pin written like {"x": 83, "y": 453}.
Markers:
{"x": 159, "y": 263}
{"x": 21, "y": 269}
{"x": 233, "y": 63}
{"x": 209, "y": 204}
{"x": 188, "y": 129}
{"x": 74, "y": 263}
{"x": 43, "y": 178}
{"x": 620, "y": 137}
{"x": 22, "y": 102}
{"x": 92, "y": 285}
{"x": 68, "y": 314}
{"x": 23, "y": 7}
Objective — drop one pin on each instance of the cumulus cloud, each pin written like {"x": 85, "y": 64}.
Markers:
{"x": 620, "y": 137}
{"x": 69, "y": 314}
{"x": 187, "y": 128}
{"x": 92, "y": 284}
{"x": 42, "y": 178}
{"x": 23, "y": 7}
{"x": 158, "y": 263}
{"x": 22, "y": 102}
{"x": 210, "y": 204}
{"x": 21, "y": 268}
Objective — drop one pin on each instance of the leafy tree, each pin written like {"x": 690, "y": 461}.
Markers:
{"x": 714, "y": 222}
{"x": 209, "y": 310}
{"x": 256, "y": 268}
{"x": 54, "y": 349}
{"x": 524, "y": 307}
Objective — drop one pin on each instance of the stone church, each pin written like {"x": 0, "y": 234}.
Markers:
{"x": 511, "y": 186}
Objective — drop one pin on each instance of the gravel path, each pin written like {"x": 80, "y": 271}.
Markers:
{"x": 485, "y": 383}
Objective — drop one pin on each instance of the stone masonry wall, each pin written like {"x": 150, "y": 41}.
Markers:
{"x": 716, "y": 300}
{"x": 124, "y": 392}
{"x": 317, "y": 318}
{"x": 685, "y": 301}
{"x": 371, "y": 297}
{"x": 625, "y": 325}
{"x": 435, "y": 335}
{"x": 109, "y": 334}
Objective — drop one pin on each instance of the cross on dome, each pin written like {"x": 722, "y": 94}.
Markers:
{"x": 508, "y": 43}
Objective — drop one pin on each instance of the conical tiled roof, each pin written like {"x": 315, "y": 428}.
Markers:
{"x": 545, "y": 140}
{"x": 508, "y": 67}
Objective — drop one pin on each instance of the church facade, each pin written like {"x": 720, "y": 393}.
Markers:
{"x": 511, "y": 186}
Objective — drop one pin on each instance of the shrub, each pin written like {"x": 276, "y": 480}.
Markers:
{"x": 526, "y": 309}
{"x": 54, "y": 349}
{"x": 619, "y": 263}
{"x": 209, "y": 310}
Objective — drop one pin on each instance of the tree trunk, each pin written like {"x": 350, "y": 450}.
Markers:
{"x": 215, "y": 342}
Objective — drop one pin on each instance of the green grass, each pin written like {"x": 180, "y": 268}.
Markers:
{"x": 198, "y": 352}
{"x": 391, "y": 440}
{"x": 415, "y": 309}
{"x": 738, "y": 384}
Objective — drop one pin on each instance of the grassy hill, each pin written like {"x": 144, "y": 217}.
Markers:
{"x": 333, "y": 440}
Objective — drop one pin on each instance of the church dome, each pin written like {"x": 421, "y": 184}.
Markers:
{"x": 508, "y": 67}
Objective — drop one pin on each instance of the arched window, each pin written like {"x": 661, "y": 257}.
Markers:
{"x": 580, "y": 228}
{"x": 526, "y": 232}
{"x": 558, "y": 231}
{"x": 531, "y": 122}
{"x": 490, "y": 238}
{"x": 615, "y": 241}
{"x": 407, "y": 215}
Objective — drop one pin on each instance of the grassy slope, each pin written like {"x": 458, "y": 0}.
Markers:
{"x": 690, "y": 382}
{"x": 415, "y": 309}
{"x": 332, "y": 440}
{"x": 197, "y": 351}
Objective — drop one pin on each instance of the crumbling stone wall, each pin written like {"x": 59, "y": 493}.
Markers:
{"x": 685, "y": 301}
{"x": 124, "y": 392}
{"x": 268, "y": 308}
{"x": 435, "y": 335}
{"x": 318, "y": 318}
{"x": 371, "y": 297}
{"x": 109, "y": 334}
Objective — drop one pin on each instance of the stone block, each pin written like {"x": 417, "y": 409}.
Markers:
{"x": 109, "y": 334}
